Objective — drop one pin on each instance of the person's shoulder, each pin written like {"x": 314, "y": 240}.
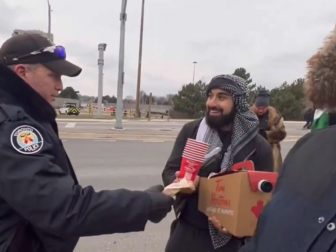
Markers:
{"x": 22, "y": 133}
{"x": 190, "y": 128}
{"x": 192, "y": 124}
{"x": 324, "y": 135}
{"x": 273, "y": 111}
{"x": 274, "y": 115}
{"x": 11, "y": 113}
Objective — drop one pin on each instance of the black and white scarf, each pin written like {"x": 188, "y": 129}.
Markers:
{"x": 244, "y": 129}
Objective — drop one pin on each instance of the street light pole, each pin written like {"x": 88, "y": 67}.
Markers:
{"x": 101, "y": 49}
{"x": 119, "y": 112}
{"x": 137, "y": 107}
{"x": 49, "y": 21}
{"x": 195, "y": 62}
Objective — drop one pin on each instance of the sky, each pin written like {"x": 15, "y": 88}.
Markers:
{"x": 271, "y": 39}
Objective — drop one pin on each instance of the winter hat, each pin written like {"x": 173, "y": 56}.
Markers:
{"x": 262, "y": 99}
{"x": 234, "y": 85}
{"x": 230, "y": 83}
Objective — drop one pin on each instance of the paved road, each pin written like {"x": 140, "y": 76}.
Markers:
{"x": 159, "y": 130}
{"x": 133, "y": 158}
{"x": 130, "y": 164}
{"x": 133, "y": 130}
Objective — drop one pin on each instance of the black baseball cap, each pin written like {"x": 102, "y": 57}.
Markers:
{"x": 33, "y": 48}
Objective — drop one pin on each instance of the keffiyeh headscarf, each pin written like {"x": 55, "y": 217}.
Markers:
{"x": 245, "y": 128}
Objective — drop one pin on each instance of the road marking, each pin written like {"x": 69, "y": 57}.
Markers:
{"x": 104, "y": 140}
{"x": 289, "y": 140}
{"x": 117, "y": 140}
{"x": 153, "y": 141}
{"x": 70, "y": 125}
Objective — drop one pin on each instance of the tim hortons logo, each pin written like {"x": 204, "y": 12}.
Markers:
{"x": 191, "y": 166}
{"x": 218, "y": 198}
{"x": 219, "y": 187}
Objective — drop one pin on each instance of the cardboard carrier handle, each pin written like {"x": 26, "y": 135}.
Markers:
{"x": 262, "y": 181}
{"x": 247, "y": 165}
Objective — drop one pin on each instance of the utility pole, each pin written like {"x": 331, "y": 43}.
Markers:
{"x": 150, "y": 106}
{"x": 101, "y": 49}
{"x": 195, "y": 62}
{"x": 137, "y": 107}
{"x": 119, "y": 112}
{"x": 49, "y": 22}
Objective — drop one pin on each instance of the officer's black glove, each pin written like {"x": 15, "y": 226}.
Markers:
{"x": 161, "y": 203}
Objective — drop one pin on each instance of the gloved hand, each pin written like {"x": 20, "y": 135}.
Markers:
{"x": 161, "y": 203}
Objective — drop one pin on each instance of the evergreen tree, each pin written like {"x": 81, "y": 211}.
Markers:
{"x": 251, "y": 87}
{"x": 69, "y": 92}
{"x": 191, "y": 99}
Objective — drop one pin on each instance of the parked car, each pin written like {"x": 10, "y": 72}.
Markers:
{"x": 69, "y": 109}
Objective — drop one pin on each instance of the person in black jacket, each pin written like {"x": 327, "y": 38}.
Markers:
{"x": 308, "y": 116}
{"x": 42, "y": 206}
{"x": 230, "y": 125}
{"x": 301, "y": 216}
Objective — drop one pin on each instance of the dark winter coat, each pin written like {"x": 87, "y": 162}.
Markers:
{"x": 301, "y": 216}
{"x": 42, "y": 206}
{"x": 186, "y": 209}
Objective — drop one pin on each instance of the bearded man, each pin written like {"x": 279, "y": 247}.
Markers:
{"x": 230, "y": 125}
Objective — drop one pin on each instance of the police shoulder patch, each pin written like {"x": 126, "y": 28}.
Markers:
{"x": 26, "y": 139}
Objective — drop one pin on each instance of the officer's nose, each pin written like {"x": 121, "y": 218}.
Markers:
{"x": 59, "y": 85}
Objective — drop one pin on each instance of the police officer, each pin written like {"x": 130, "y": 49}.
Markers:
{"x": 42, "y": 206}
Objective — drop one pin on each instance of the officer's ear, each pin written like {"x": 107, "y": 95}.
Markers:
{"x": 20, "y": 70}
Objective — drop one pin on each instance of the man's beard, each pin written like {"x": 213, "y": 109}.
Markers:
{"x": 217, "y": 122}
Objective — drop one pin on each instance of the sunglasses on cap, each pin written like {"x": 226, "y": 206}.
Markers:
{"x": 57, "y": 50}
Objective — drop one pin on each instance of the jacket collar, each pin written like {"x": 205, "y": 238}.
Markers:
{"x": 19, "y": 93}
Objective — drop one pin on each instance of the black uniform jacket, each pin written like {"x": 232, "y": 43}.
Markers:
{"x": 257, "y": 150}
{"x": 41, "y": 203}
{"x": 301, "y": 216}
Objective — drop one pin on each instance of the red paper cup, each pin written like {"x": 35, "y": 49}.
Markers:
{"x": 194, "y": 141}
{"x": 195, "y": 153}
{"x": 193, "y": 158}
{"x": 189, "y": 168}
{"x": 196, "y": 148}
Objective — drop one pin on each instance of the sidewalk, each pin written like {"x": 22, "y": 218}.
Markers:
{"x": 142, "y": 120}
{"x": 112, "y": 120}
